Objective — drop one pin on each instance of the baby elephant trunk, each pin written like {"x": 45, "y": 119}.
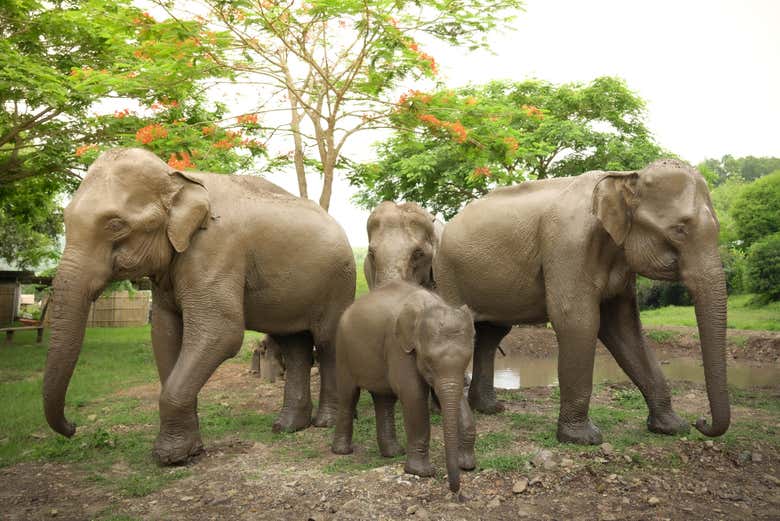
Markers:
{"x": 450, "y": 393}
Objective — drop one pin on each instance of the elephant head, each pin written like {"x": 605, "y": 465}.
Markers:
{"x": 662, "y": 217}
{"x": 442, "y": 339}
{"x": 402, "y": 239}
{"x": 129, "y": 218}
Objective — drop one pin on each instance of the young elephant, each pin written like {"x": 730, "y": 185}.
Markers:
{"x": 396, "y": 342}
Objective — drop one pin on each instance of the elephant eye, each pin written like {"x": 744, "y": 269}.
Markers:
{"x": 116, "y": 225}
{"x": 679, "y": 230}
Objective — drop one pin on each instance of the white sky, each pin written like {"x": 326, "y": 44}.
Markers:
{"x": 709, "y": 71}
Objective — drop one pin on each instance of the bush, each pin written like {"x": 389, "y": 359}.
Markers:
{"x": 756, "y": 211}
{"x": 763, "y": 269}
{"x": 653, "y": 294}
{"x": 735, "y": 266}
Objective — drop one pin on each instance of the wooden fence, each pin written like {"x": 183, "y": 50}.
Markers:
{"x": 120, "y": 309}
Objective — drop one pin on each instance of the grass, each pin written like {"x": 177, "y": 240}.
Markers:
{"x": 661, "y": 336}
{"x": 741, "y": 315}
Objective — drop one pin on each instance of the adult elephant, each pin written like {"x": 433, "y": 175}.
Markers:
{"x": 224, "y": 253}
{"x": 568, "y": 250}
{"x": 402, "y": 240}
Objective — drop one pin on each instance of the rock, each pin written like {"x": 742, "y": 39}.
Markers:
{"x": 709, "y": 444}
{"x": 494, "y": 503}
{"x": 755, "y": 457}
{"x": 411, "y": 510}
{"x": 607, "y": 449}
{"x": 520, "y": 486}
{"x": 186, "y": 498}
{"x": 542, "y": 457}
{"x": 612, "y": 477}
{"x": 653, "y": 501}
{"x": 599, "y": 459}
{"x": 421, "y": 513}
{"x": 745, "y": 456}
{"x": 567, "y": 462}
{"x": 627, "y": 458}
{"x": 54, "y": 512}
{"x": 535, "y": 480}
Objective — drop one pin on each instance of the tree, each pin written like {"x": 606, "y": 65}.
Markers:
{"x": 764, "y": 269}
{"x": 723, "y": 197}
{"x": 61, "y": 65}
{"x": 756, "y": 211}
{"x": 328, "y": 66}
{"x": 455, "y": 145}
{"x": 747, "y": 168}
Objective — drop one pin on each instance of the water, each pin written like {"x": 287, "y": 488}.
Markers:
{"x": 515, "y": 371}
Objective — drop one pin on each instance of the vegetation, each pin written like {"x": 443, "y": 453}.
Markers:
{"x": 742, "y": 314}
{"x": 455, "y": 145}
{"x": 764, "y": 269}
{"x": 756, "y": 210}
{"x": 729, "y": 168}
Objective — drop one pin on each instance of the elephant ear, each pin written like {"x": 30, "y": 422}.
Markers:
{"x": 615, "y": 198}
{"x": 189, "y": 210}
{"x": 407, "y": 323}
{"x": 369, "y": 270}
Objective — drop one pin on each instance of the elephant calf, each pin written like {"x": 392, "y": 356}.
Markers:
{"x": 397, "y": 342}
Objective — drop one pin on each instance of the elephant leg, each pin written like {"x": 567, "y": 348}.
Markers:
{"x": 468, "y": 435}
{"x": 205, "y": 346}
{"x": 296, "y": 409}
{"x": 328, "y": 404}
{"x": 621, "y": 333}
{"x": 417, "y": 423}
{"x": 348, "y": 395}
{"x": 482, "y": 394}
{"x": 384, "y": 406}
{"x": 166, "y": 336}
{"x": 576, "y": 329}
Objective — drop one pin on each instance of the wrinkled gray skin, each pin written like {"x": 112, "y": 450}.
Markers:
{"x": 402, "y": 240}
{"x": 224, "y": 253}
{"x": 397, "y": 342}
{"x": 568, "y": 250}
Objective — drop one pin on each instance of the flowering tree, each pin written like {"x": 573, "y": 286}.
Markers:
{"x": 456, "y": 145}
{"x": 62, "y": 65}
{"x": 324, "y": 69}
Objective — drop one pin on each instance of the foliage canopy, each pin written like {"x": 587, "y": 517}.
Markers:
{"x": 452, "y": 146}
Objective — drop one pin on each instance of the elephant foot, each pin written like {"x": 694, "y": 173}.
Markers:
{"x": 485, "y": 404}
{"x": 667, "y": 423}
{"x": 391, "y": 449}
{"x": 580, "y": 433}
{"x": 419, "y": 467}
{"x": 341, "y": 446}
{"x": 176, "y": 449}
{"x": 291, "y": 420}
{"x": 466, "y": 460}
{"x": 326, "y": 417}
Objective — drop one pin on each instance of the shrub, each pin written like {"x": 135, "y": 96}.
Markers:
{"x": 653, "y": 294}
{"x": 756, "y": 211}
{"x": 763, "y": 269}
{"x": 735, "y": 266}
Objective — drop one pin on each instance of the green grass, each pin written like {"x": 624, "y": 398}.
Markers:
{"x": 740, "y": 315}
{"x": 661, "y": 336}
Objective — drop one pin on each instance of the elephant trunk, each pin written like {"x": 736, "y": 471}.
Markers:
{"x": 450, "y": 393}
{"x": 708, "y": 289}
{"x": 70, "y": 302}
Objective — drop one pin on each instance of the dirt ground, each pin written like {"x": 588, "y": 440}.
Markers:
{"x": 240, "y": 479}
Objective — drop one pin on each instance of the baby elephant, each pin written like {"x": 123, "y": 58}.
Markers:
{"x": 397, "y": 342}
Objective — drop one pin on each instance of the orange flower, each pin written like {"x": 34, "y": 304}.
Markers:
{"x": 150, "y": 133}
{"x": 482, "y": 171}
{"x": 431, "y": 62}
{"x": 532, "y": 111}
{"x": 430, "y": 119}
{"x": 119, "y": 114}
{"x": 459, "y": 130}
{"x": 132, "y": 74}
{"x": 412, "y": 45}
{"x": 180, "y": 164}
{"x": 233, "y": 134}
{"x": 247, "y": 119}
{"x": 83, "y": 149}
{"x": 471, "y": 100}
{"x": 252, "y": 143}
{"x": 207, "y": 131}
{"x": 223, "y": 144}
{"x": 511, "y": 143}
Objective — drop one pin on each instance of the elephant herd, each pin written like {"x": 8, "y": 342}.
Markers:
{"x": 229, "y": 253}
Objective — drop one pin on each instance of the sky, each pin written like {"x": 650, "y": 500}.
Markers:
{"x": 708, "y": 70}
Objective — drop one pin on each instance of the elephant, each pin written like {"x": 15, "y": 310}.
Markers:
{"x": 402, "y": 240}
{"x": 397, "y": 342}
{"x": 224, "y": 254}
{"x": 267, "y": 360}
{"x": 567, "y": 250}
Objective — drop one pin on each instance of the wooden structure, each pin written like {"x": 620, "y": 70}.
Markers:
{"x": 120, "y": 309}
{"x": 10, "y": 294}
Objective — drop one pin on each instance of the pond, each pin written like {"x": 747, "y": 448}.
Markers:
{"x": 516, "y": 370}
